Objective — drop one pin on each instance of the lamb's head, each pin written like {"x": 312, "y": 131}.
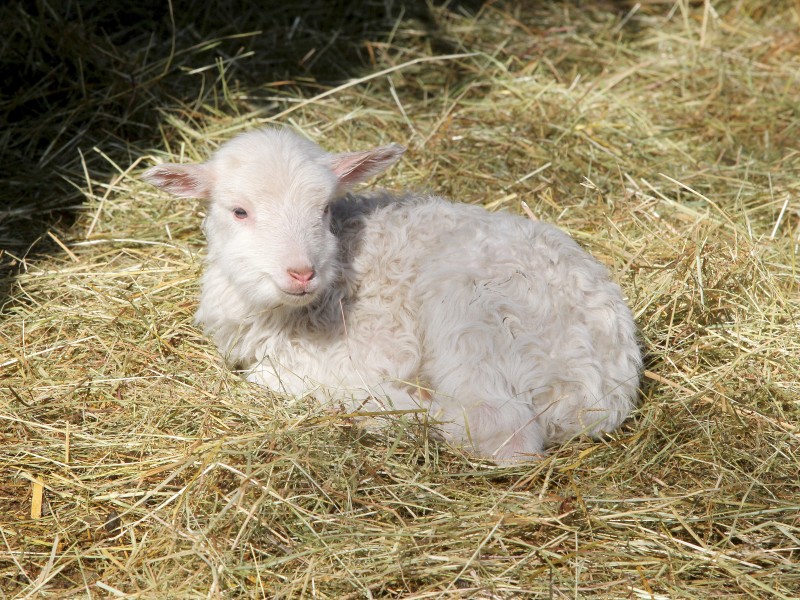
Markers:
{"x": 268, "y": 223}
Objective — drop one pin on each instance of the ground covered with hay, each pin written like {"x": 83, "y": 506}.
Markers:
{"x": 661, "y": 135}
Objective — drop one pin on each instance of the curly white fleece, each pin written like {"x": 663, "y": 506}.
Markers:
{"x": 508, "y": 333}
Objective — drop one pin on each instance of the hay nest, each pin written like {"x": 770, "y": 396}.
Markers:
{"x": 662, "y": 135}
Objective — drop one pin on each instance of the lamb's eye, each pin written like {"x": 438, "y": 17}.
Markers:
{"x": 327, "y": 210}
{"x": 239, "y": 213}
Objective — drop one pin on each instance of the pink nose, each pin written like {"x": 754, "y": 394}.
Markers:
{"x": 302, "y": 275}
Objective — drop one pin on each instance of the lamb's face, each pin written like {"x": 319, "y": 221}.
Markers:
{"x": 268, "y": 227}
{"x": 268, "y": 224}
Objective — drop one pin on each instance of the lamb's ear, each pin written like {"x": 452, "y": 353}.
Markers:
{"x": 184, "y": 181}
{"x": 354, "y": 167}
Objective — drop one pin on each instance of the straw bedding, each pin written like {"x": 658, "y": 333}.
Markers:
{"x": 663, "y": 136}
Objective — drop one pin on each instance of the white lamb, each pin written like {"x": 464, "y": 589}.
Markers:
{"x": 508, "y": 333}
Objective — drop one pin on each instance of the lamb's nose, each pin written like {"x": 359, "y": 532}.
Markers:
{"x": 302, "y": 275}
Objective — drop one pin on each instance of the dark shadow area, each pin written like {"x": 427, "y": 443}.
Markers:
{"x": 80, "y": 75}
{"x": 88, "y": 83}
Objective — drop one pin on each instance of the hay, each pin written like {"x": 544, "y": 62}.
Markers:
{"x": 663, "y": 136}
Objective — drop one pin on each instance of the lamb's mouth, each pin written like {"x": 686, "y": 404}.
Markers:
{"x": 300, "y": 293}
{"x": 299, "y": 296}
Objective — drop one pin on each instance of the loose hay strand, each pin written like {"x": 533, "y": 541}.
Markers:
{"x": 662, "y": 136}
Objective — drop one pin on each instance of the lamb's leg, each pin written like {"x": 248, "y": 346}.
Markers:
{"x": 365, "y": 398}
{"x": 376, "y": 400}
{"x": 499, "y": 428}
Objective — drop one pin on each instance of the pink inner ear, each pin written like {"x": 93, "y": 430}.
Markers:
{"x": 355, "y": 167}
{"x": 347, "y": 166}
{"x": 184, "y": 181}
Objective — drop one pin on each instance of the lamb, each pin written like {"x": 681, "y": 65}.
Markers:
{"x": 502, "y": 329}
